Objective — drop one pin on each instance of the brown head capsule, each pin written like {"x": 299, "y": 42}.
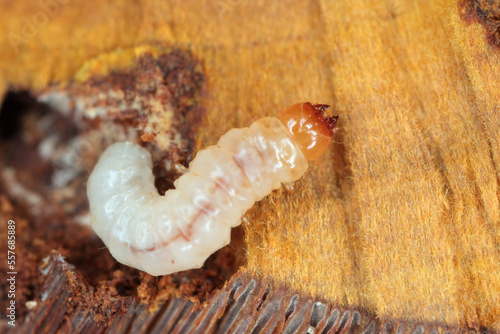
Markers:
{"x": 310, "y": 126}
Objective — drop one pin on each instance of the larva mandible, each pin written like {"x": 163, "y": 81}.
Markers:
{"x": 178, "y": 231}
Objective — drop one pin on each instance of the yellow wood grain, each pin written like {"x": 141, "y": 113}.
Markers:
{"x": 402, "y": 216}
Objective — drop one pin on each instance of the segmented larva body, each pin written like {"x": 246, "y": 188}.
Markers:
{"x": 178, "y": 231}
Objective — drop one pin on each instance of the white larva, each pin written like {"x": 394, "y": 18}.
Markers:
{"x": 178, "y": 231}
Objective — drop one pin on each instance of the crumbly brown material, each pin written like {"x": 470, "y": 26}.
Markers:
{"x": 47, "y": 151}
{"x": 244, "y": 304}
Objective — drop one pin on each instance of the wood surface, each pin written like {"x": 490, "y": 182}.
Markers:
{"x": 401, "y": 217}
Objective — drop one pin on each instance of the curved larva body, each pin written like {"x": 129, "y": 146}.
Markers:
{"x": 178, "y": 231}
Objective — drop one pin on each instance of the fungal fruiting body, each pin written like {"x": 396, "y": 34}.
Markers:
{"x": 178, "y": 231}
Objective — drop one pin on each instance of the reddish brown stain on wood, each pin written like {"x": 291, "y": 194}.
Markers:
{"x": 487, "y": 13}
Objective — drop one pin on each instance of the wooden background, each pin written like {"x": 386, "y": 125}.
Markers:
{"x": 401, "y": 217}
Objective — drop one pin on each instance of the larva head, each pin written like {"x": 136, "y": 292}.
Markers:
{"x": 310, "y": 127}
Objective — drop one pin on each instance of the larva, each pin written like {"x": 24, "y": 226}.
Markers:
{"x": 178, "y": 231}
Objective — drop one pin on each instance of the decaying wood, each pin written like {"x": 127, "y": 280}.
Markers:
{"x": 403, "y": 218}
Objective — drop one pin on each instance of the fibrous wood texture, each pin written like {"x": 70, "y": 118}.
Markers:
{"x": 402, "y": 217}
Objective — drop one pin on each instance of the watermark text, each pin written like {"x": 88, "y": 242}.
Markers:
{"x": 11, "y": 273}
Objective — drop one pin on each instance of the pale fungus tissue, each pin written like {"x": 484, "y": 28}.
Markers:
{"x": 179, "y": 231}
